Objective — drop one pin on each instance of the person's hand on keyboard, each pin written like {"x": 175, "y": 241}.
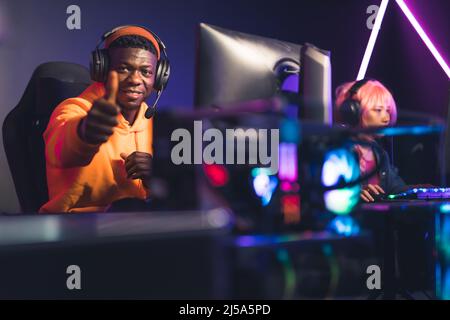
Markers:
{"x": 371, "y": 192}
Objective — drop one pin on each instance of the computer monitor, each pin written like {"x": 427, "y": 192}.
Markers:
{"x": 315, "y": 85}
{"x": 234, "y": 67}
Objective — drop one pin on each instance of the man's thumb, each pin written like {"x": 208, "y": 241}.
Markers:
{"x": 123, "y": 155}
{"x": 112, "y": 87}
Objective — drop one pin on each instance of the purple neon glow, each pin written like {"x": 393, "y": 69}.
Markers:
{"x": 372, "y": 40}
{"x": 287, "y": 186}
{"x": 288, "y": 162}
{"x": 424, "y": 36}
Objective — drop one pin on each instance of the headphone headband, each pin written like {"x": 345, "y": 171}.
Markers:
{"x": 129, "y": 30}
{"x": 355, "y": 87}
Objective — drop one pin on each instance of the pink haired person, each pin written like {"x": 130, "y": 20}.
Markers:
{"x": 364, "y": 104}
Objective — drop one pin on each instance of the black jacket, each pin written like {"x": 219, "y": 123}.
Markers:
{"x": 390, "y": 181}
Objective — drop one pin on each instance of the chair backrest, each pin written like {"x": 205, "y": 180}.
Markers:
{"x": 23, "y": 127}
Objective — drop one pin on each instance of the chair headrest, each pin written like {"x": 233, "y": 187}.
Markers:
{"x": 51, "y": 83}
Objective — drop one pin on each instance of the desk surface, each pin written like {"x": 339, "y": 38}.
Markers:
{"x": 405, "y": 205}
{"x": 100, "y": 227}
{"x": 412, "y": 212}
{"x": 91, "y": 227}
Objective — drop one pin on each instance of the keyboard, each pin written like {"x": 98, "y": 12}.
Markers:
{"x": 419, "y": 194}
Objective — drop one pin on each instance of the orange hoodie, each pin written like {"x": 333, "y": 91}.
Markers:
{"x": 87, "y": 178}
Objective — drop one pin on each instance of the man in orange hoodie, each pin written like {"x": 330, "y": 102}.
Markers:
{"x": 99, "y": 144}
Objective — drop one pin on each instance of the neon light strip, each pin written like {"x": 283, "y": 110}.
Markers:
{"x": 290, "y": 279}
{"x": 334, "y": 270}
{"x": 424, "y": 36}
{"x": 372, "y": 40}
{"x": 288, "y": 162}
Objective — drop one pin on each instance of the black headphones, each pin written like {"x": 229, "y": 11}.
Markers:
{"x": 350, "y": 109}
{"x": 99, "y": 65}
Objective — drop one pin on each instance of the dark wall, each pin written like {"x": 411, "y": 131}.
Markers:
{"x": 34, "y": 32}
{"x": 403, "y": 61}
{"x": 400, "y": 58}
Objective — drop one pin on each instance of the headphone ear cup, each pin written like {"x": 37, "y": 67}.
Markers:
{"x": 350, "y": 112}
{"x": 94, "y": 65}
{"x": 99, "y": 65}
{"x": 162, "y": 75}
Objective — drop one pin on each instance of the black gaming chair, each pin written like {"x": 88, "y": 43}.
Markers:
{"x": 50, "y": 84}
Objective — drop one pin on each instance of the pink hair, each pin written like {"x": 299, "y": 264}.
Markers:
{"x": 372, "y": 94}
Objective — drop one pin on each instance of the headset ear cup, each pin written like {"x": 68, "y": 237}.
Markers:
{"x": 165, "y": 74}
{"x": 162, "y": 75}
{"x": 350, "y": 112}
{"x": 104, "y": 57}
{"x": 99, "y": 65}
{"x": 94, "y": 65}
{"x": 157, "y": 82}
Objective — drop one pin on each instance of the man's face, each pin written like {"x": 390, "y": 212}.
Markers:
{"x": 136, "y": 69}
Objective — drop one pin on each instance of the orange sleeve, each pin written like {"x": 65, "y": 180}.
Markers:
{"x": 63, "y": 146}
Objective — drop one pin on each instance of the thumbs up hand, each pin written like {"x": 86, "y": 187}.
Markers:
{"x": 100, "y": 121}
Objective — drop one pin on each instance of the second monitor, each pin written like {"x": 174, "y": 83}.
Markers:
{"x": 234, "y": 67}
